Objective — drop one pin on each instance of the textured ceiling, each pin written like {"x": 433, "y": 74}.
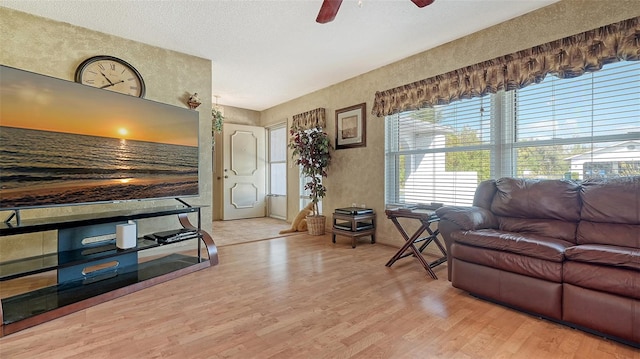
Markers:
{"x": 268, "y": 52}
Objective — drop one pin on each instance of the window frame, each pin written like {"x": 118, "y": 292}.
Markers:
{"x": 503, "y": 145}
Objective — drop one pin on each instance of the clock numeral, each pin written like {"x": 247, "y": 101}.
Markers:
{"x": 134, "y": 88}
{"x": 113, "y": 67}
{"x": 93, "y": 72}
{"x": 101, "y": 66}
{"x": 123, "y": 70}
{"x": 90, "y": 81}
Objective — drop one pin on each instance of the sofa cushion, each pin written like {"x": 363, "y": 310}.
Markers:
{"x": 614, "y": 200}
{"x": 615, "y": 256}
{"x": 610, "y": 212}
{"x": 510, "y": 262}
{"x": 537, "y": 207}
{"x": 542, "y": 227}
{"x": 484, "y": 194}
{"x": 551, "y": 249}
{"x": 619, "y": 281}
{"x": 625, "y": 235}
{"x": 537, "y": 199}
{"x": 606, "y": 313}
{"x": 519, "y": 291}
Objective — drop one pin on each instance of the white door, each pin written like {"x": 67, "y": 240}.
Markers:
{"x": 243, "y": 172}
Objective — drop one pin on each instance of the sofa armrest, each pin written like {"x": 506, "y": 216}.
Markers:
{"x": 462, "y": 219}
{"x": 468, "y": 218}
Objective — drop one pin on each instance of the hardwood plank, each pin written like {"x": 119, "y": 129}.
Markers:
{"x": 303, "y": 297}
{"x": 226, "y": 233}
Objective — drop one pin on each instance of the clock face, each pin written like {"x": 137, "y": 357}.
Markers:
{"x": 110, "y": 73}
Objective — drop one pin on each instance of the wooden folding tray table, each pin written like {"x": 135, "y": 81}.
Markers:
{"x": 426, "y": 218}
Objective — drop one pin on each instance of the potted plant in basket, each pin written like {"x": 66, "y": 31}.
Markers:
{"x": 311, "y": 150}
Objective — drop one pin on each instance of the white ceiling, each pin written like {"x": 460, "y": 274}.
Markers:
{"x": 268, "y": 52}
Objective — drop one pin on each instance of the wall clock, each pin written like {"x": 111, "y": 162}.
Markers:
{"x": 110, "y": 73}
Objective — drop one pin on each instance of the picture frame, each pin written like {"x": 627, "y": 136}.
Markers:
{"x": 351, "y": 126}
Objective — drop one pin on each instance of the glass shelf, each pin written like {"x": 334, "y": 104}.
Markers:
{"x": 88, "y": 274}
{"x": 38, "y": 264}
{"x": 51, "y": 223}
{"x": 46, "y": 299}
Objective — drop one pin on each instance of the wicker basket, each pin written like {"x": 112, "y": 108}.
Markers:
{"x": 315, "y": 225}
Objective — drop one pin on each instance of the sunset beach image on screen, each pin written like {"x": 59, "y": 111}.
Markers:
{"x": 65, "y": 143}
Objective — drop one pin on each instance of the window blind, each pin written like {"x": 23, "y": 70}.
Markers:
{"x": 438, "y": 154}
{"x": 278, "y": 161}
{"x": 582, "y": 127}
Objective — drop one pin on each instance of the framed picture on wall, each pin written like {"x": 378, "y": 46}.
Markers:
{"x": 351, "y": 126}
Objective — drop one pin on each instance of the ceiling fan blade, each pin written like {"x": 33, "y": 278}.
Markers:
{"x": 422, "y": 3}
{"x": 328, "y": 11}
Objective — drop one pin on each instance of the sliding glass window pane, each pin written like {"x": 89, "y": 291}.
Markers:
{"x": 551, "y": 162}
{"x": 605, "y": 160}
{"x": 602, "y": 103}
{"x": 579, "y": 161}
{"x": 278, "y": 181}
{"x": 449, "y": 178}
{"x": 278, "y": 144}
{"x": 465, "y": 122}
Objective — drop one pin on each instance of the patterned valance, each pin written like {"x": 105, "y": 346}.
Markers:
{"x": 309, "y": 119}
{"x": 565, "y": 58}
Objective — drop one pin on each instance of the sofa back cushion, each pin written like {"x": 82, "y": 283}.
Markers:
{"x": 544, "y": 207}
{"x": 537, "y": 199}
{"x": 484, "y": 194}
{"x": 552, "y": 228}
{"x": 610, "y": 212}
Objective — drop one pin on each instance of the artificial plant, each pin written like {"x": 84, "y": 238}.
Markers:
{"x": 311, "y": 151}
{"x": 217, "y": 120}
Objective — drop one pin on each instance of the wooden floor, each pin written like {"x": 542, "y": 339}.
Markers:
{"x": 304, "y": 297}
{"x": 227, "y": 233}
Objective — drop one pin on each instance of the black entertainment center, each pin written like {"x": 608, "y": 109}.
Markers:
{"x": 63, "y": 143}
{"x": 76, "y": 288}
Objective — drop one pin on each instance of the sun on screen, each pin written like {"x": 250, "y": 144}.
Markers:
{"x": 123, "y": 131}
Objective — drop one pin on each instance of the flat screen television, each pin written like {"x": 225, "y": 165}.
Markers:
{"x": 64, "y": 143}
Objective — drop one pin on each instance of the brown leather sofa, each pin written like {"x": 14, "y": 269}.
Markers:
{"x": 562, "y": 250}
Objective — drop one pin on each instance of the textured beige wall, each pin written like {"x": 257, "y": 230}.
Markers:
{"x": 241, "y": 116}
{"x": 357, "y": 175}
{"x": 56, "y": 49}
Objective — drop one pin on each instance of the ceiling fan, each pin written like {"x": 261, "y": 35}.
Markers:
{"x": 329, "y": 9}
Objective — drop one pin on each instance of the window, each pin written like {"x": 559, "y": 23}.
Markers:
{"x": 277, "y": 166}
{"x": 278, "y": 161}
{"x": 583, "y": 127}
{"x": 305, "y": 194}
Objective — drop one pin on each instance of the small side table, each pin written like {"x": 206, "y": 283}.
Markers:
{"x": 354, "y": 224}
{"x": 426, "y": 218}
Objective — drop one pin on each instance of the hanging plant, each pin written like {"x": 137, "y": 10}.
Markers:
{"x": 311, "y": 150}
{"x": 217, "y": 121}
